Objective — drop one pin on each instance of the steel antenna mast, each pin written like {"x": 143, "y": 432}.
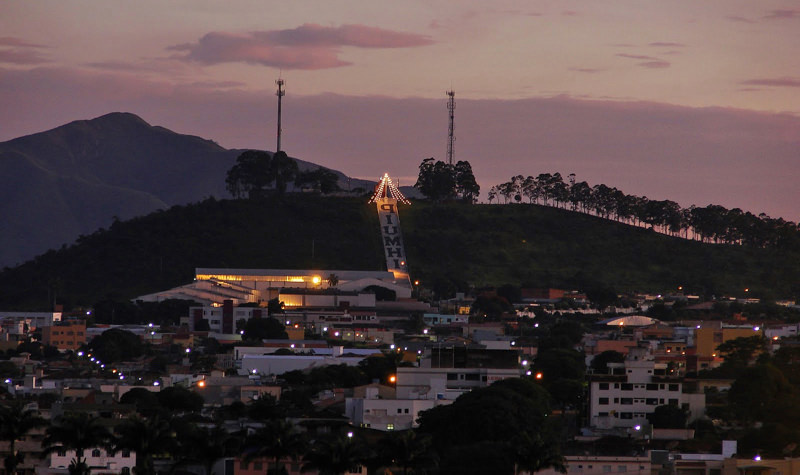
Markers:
{"x": 280, "y": 95}
{"x": 451, "y": 137}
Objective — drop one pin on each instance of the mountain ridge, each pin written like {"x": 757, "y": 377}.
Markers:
{"x": 75, "y": 178}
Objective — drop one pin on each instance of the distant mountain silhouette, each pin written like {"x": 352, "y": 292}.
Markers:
{"x": 74, "y": 179}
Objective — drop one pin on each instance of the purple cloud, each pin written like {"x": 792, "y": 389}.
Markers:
{"x": 585, "y": 70}
{"x": 782, "y": 14}
{"x": 649, "y": 62}
{"x": 15, "y": 50}
{"x": 740, "y": 19}
{"x": 635, "y": 56}
{"x": 309, "y": 46}
{"x": 655, "y": 64}
{"x": 661, "y": 44}
{"x": 776, "y": 82}
{"x": 22, "y": 56}
{"x": 18, "y": 42}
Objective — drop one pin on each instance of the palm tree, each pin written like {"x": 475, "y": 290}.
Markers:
{"x": 15, "y": 422}
{"x": 78, "y": 432}
{"x": 335, "y": 456}
{"x": 145, "y": 437}
{"x": 333, "y": 280}
{"x": 277, "y": 440}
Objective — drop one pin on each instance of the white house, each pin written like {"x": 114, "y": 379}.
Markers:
{"x": 99, "y": 460}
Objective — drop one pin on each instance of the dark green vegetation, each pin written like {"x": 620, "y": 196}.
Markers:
{"x": 440, "y": 181}
{"x": 762, "y": 408}
{"x": 73, "y": 179}
{"x": 713, "y": 223}
{"x": 451, "y": 246}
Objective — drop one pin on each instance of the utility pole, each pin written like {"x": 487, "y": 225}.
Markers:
{"x": 280, "y": 95}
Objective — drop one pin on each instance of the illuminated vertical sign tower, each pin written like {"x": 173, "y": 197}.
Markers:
{"x": 386, "y": 199}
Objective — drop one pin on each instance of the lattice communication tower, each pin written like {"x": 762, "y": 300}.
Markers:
{"x": 451, "y": 130}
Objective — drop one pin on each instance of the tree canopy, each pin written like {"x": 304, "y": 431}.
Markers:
{"x": 494, "y": 430}
{"x": 257, "y": 171}
{"x": 440, "y": 181}
{"x": 712, "y": 223}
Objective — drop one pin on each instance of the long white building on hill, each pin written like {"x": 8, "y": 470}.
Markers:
{"x": 213, "y": 286}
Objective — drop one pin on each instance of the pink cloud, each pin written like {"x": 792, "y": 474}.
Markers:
{"x": 18, "y": 42}
{"x": 634, "y": 56}
{"x": 308, "y": 46}
{"x": 15, "y": 50}
{"x": 22, "y": 56}
{"x": 740, "y": 19}
{"x": 777, "y": 82}
{"x": 661, "y": 44}
{"x": 585, "y": 70}
{"x": 649, "y": 61}
{"x": 782, "y": 14}
{"x": 658, "y": 64}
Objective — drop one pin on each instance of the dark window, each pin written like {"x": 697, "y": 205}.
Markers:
{"x": 603, "y": 386}
{"x": 652, "y": 387}
{"x": 652, "y": 401}
{"x": 603, "y": 401}
{"x": 627, "y": 387}
{"x": 626, "y": 401}
{"x": 674, "y": 387}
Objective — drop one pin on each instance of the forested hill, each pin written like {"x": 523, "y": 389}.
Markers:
{"x": 450, "y": 247}
{"x": 73, "y": 179}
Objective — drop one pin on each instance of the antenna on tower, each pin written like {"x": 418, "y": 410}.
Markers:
{"x": 280, "y": 95}
{"x": 451, "y": 138}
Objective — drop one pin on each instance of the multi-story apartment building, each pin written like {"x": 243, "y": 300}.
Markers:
{"x": 66, "y": 335}
{"x": 633, "y": 389}
{"x": 442, "y": 376}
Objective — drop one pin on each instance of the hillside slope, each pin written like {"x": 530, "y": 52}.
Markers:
{"x": 450, "y": 247}
{"x": 74, "y": 179}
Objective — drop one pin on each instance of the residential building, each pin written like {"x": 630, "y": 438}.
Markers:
{"x": 98, "y": 459}
{"x": 66, "y": 335}
{"x": 625, "y": 400}
{"x": 709, "y": 335}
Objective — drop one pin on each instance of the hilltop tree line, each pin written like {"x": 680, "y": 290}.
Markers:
{"x": 440, "y": 181}
{"x": 712, "y": 223}
{"x": 257, "y": 173}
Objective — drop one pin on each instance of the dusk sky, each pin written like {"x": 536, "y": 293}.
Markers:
{"x": 695, "y": 101}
